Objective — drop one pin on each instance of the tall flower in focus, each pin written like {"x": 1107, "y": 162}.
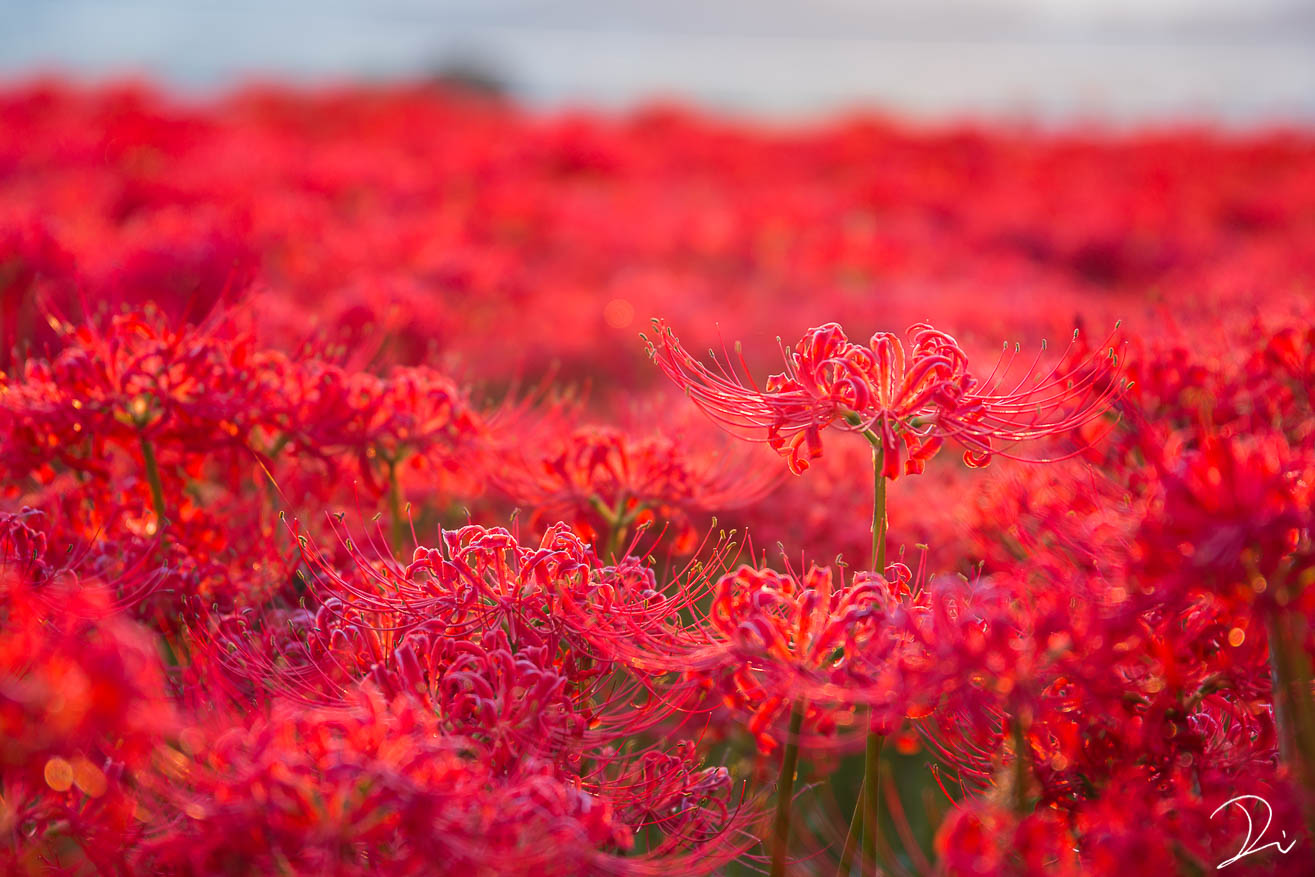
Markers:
{"x": 907, "y": 400}
{"x": 906, "y": 403}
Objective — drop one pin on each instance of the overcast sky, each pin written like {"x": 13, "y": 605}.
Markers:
{"x": 1233, "y": 61}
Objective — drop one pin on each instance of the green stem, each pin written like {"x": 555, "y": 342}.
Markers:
{"x": 279, "y": 444}
{"x": 871, "y": 801}
{"x": 1020, "y": 768}
{"x": 851, "y": 837}
{"x": 153, "y": 479}
{"x": 616, "y": 520}
{"x": 399, "y": 526}
{"x": 272, "y": 492}
{"x": 878, "y": 506}
{"x": 616, "y": 527}
{"x": 1294, "y": 709}
{"x": 872, "y": 755}
{"x": 785, "y": 791}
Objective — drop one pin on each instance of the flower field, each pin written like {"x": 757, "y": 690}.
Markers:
{"x": 403, "y": 482}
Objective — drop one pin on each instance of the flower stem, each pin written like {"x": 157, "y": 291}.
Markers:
{"x": 851, "y": 840}
{"x": 1294, "y": 709}
{"x": 153, "y": 479}
{"x": 878, "y": 509}
{"x": 872, "y": 754}
{"x": 399, "y": 526}
{"x": 785, "y": 791}
{"x": 616, "y": 529}
{"x": 871, "y": 803}
{"x": 1020, "y": 767}
{"x": 617, "y": 520}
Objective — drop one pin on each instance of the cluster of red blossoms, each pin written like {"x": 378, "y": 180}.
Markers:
{"x": 345, "y": 528}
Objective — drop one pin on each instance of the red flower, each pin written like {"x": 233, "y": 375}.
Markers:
{"x": 914, "y": 399}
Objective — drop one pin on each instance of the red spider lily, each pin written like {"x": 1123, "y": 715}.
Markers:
{"x": 125, "y": 437}
{"x": 985, "y": 839}
{"x": 988, "y": 836}
{"x": 455, "y": 604}
{"x": 1285, "y": 371}
{"x": 1128, "y": 650}
{"x": 83, "y": 703}
{"x": 1233, "y": 515}
{"x": 784, "y": 639}
{"x": 513, "y": 700}
{"x": 1180, "y": 395}
{"x": 1048, "y": 522}
{"x": 1089, "y": 691}
{"x": 769, "y": 640}
{"x": 135, "y": 380}
{"x": 350, "y": 792}
{"x": 479, "y": 633}
{"x": 219, "y": 544}
{"x": 518, "y": 611}
{"x": 199, "y": 409}
{"x": 1200, "y": 832}
{"x": 380, "y": 421}
{"x": 177, "y": 396}
{"x": 75, "y": 690}
{"x": 23, "y": 549}
{"x": 376, "y": 786}
{"x": 618, "y": 479}
{"x": 1057, "y": 682}
{"x": 915, "y": 401}
{"x": 79, "y": 675}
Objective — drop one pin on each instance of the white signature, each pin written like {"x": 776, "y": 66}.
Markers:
{"x": 1248, "y": 844}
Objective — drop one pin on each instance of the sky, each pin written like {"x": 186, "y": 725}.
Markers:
{"x": 1226, "y": 61}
